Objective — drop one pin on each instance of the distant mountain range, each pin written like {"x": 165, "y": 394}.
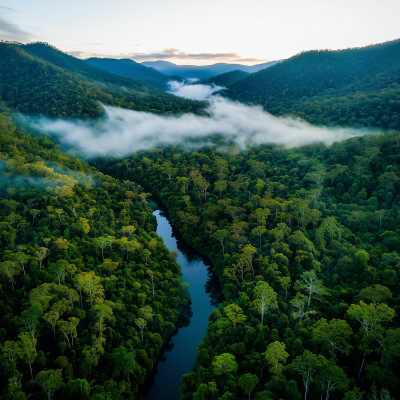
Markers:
{"x": 358, "y": 87}
{"x": 133, "y": 69}
{"x": 203, "y": 72}
{"x": 353, "y": 87}
{"x": 38, "y": 79}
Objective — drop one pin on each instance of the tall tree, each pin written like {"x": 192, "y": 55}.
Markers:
{"x": 265, "y": 298}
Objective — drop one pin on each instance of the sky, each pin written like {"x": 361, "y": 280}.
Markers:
{"x": 198, "y": 32}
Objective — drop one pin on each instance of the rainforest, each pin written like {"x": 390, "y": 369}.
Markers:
{"x": 297, "y": 237}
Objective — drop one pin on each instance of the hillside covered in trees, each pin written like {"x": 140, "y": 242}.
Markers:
{"x": 133, "y": 69}
{"x": 357, "y": 87}
{"x": 304, "y": 241}
{"x": 37, "y": 79}
{"x": 89, "y": 292}
{"x": 227, "y": 78}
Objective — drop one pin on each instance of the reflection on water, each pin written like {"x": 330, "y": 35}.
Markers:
{"x": 179, "y": 354}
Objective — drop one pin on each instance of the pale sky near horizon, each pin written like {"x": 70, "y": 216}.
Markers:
{"x": 199, "y": 32}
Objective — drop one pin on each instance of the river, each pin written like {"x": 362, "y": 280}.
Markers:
{"x": 205, "y": 292}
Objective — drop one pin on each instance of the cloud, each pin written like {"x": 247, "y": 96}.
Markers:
{"x": 124, "y": 131}
{"x": 83, "y": 54}
{"x": 170, "y": 54}
{"x": 194, "y": 92}
{"x": 10, "y": 31}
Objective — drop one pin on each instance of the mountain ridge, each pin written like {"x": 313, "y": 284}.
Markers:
{"x": 203, "y": 72}
{"x": 343, "y": 87}
{"x": 128, "y": 67}
{"x": 226, "y": 78}
{"x": 68, "y": 87}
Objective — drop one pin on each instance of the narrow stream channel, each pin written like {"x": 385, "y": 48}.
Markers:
{"x": 180, "y": 353}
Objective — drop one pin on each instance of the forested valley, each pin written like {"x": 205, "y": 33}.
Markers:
{"x": 305, "y": 243}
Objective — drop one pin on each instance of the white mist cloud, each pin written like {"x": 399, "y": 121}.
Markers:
{"x": 194, "y": 92}
{"x": 123, "y": 131}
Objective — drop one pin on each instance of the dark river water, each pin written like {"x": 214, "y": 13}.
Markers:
{"x": 180, "y": 353}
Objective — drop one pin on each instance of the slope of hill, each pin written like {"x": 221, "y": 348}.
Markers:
{"x": 203, "y": 72}
{"x": 36, "y": 172}
{"x": 132, "y": 69}
{"x": 227, "y": 78}
{"x": 48, "y": 82}
{"x": 354, "y": 86}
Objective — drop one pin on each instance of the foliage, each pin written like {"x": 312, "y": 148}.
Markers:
{"x": 39, "y": 79}
{"x": 304, "y": 242}
{"x": 357, "y": 87}
{"x": 226, "y": 78}
{"x": 321, "y": 279}
{"x": 62, "y": 305}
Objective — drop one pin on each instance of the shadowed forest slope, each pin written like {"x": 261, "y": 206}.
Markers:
{"x": 358, "y": 87}
{"x": 48, "y": 82}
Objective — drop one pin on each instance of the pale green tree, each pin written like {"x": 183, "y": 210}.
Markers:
{"x": 299, "y": 303}
{"x": 265, "y": 298}
{"x": 335, "y": 334}
{"x": 306, "y": 366}
{"x": 259, "y": 230}
{"x": 149, "y": 272}
{"x": 9, "y": 270}
{"x": 69, "y": 328}
{"x": 141, "y": 323}
{"x": 102, "y": 312}
{"x": 146, "y": 313}
{"x": 235, "y": 314}
{"x": 93, "y": 352}
{"x": 50, "y": 381}
{"x": 220, "y": 186}
{"x": 90, "y": 284}
{"x": 369, "y": 316}
{"x": 247, "y": 255}
{"x": 376, "y": 294}
{"x": 285, "y": 283}
{"x": 109, "y": 265}
{"x": 224, "y": 363}
{"x": 220, "y": 236}
{"x": 276, "y": 355}
{"x": 52, "y": 317}
{"x": 310, "y": 284}
{"x": 28, "y": 346}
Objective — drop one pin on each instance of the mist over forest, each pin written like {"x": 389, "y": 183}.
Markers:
{"x": 284, "y": 180}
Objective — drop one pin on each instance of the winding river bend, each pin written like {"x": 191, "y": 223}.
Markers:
{"x": 205, "y": 292}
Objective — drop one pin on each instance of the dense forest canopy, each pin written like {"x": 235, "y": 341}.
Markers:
{"x": 358, "y": 87}
{"x": 305, "y": 243}
{"x": 89, "y": 292}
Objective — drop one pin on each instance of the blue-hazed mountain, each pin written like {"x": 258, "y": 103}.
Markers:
{"x": 227, "y": 78}
{"x": 358, "y": 86}
{"x": 133, "y": 69}
{"x": 203, "y": 72}
{"x": 38, "y": 79}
